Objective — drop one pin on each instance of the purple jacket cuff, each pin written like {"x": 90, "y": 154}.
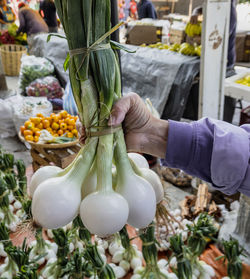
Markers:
{"x": 212, "y": 150}
{"x": 180, "y": 145}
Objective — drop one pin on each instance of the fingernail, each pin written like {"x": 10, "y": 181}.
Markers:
{"x": 111, "y": 121}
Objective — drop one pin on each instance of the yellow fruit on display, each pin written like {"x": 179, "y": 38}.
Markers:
{"x": 60, "y": 132}
{"x": 70, "y": 135}
{"x": 29, "y": 125}
{"x": 175, "y": 47}
{"x": 55, "y": 126}
{"x": 198, "y": 50}
{"x": 244, "y": 81}
{"x": 27, "y": 133}
{"x": 184, "y": 48}
{"x": 62, "y": 124}
{"x": 29, "y": 138}
{"x": 35, "y": 120}
{"x": 75, "y": 132}
{"x": 193, "y": 29}
{"x": 187, "y": 49}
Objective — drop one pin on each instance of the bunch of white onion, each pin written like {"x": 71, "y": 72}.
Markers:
{"x": 60, "y": 195}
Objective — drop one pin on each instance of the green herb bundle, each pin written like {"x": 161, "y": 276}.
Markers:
{"x": 233, "y": 252}
{"x": 201, "y": 233}
{"x": 150, "y": 254}
{"x": 182, "y": 254}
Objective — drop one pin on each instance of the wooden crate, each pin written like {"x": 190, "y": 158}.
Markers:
{"x": 61, "y": 156}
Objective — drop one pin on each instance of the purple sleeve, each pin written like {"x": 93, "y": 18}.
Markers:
{"x": 212, "y": 150}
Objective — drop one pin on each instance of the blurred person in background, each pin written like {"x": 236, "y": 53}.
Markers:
{"x": 133, "y": 9}
{"x": 146, "y": 9}
{"x": 7, "y": 15}
{"x": 47, "y": 10}
{"x": 229, "y": 104}
{"x": 31, "y": 23}
{"x": 121, "y": 5}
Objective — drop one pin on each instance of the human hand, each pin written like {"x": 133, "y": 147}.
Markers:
{"x": 81, "y": 131}
{"x": 143, "y": 132}
{"x": 194, "y": 19}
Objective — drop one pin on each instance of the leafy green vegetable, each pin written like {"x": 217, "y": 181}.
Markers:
{"x": 182, "y": 254}
{"x": 233, "y": 252}
{"x": 200, "y": 233}
{"x": 150, "y": 253}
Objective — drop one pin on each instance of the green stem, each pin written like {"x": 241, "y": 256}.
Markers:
{"x": 118, "y": 89}
{"x": 83, "y": 163}
{"x": 123, "y": 165}
{"x": 104, "y": 163}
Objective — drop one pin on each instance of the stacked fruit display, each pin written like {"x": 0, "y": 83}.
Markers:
{"x": 193, "y": 29}
{"x": 61, "y": 124}
{"x": 244, "y": 81}
{"x": 185, "y": 48}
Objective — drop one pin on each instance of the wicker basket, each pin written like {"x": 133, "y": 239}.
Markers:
{"x": 11, "y": 58}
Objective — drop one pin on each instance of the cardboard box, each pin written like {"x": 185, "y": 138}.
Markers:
{"x": 176, "y": 36}
{"x": 144, "y": 34}
{"x": 243, "y": 47}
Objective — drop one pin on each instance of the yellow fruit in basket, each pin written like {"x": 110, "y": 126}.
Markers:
{"x": 60, "y": 132}
{"x": 40, "y": 115}
{"x": 56, "y": 135}
{"x": 37, "y": 133}
{"x": 27, "y": 133}
{"x": 22, "y": 129}
{"x": 36, "y": 138}
{"x": 71, "y": 121}
{"x": 66, "y": 120}
{"x": 55, "y": 126}
{"x": 29, "y": 138}
{"x": 36, "y": 130}
{"x": 63, "y": 126}
{"x": 70, "y": 127}
{"x": 69, "y": 135}
{"x": 46, "y": 123}
{"x": 75, "y": 132}
{"x": 29, "y": 125}
{"x": 35, "y": 120}
{"x": 63, "y": 113}
{"x": 55, "y": 118}
{"x": 49, "y": 119}
{"x": 39, "y": 126}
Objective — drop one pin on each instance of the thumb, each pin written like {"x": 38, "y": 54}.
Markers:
{"x": 119, "y": 111}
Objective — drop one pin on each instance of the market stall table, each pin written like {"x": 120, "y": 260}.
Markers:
{"x": 236, "y": 90}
